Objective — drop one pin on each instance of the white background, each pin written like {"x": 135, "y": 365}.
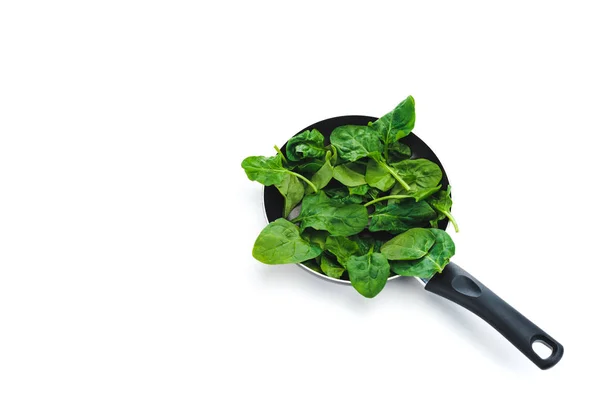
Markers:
{"x": 126, "y": 222}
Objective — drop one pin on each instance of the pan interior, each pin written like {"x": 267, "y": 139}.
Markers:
{"x": 273, "y": 200}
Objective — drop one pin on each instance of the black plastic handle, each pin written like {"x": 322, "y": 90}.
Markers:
{"x": 459, "y": 286}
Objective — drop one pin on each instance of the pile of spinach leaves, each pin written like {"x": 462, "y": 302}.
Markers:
{"x": 367, "y": 209}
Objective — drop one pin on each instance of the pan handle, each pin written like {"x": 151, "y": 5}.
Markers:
{"x": 457, "y": 285}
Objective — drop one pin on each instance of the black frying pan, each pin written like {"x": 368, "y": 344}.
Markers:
{"x": 453, "y": 283}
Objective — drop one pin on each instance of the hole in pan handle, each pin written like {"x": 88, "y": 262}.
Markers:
{"x": 457, "y": 285}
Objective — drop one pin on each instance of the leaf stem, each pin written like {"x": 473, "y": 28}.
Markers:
{"x": 312, "y": 185}
{"x": 278, "y": 150}
{"x": 390, "y": 197}
{"x": 394, "y": 174}
{"x": 451, "y": 218}
{"x": 334, "y": 156}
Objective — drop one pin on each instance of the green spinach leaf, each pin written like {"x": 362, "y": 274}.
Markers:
{"x": 368, "y": 273}
{"x": 269, "y": 170}
{"x": 366, "y": 242}
{"x": 320, "y": 212}
{"x": 350, "y": 174}
{"x": 396, "y": 124}
{"x": 434, "y": 261}
{"x": 334, "y": 154}
{"x": 308, "y": 144}
{"x": 331, "y": 268}
{"x": 342, "y": 195}
{"x": 442, "y": 202}
{"x": 315, "y": 237}
{"x": 292, "y": 191}
{"x": 336, "y": 191}
{"x": 373, "y": 193}
{"x": 341, "y": 247}
{"x": 399, "y": 194}
{"x": 359, "y": 190}
{"x": 398, "y": 151}
{"x": 379, "y": 177}
{"x": 314, "y": 264}
{"x": 419, "y": 174}
{"x": 355, "y": 142}
{"x": 400, "y": 217}
{"x": 410, "y": 245}
{"x": 266, "y": 170}
{"x": 322, "y": 177}
{"x": 350, "y": 199}
{"x": 307, "y": 166}
{"x": 280, "y": 243}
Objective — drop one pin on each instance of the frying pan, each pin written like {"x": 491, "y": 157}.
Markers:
{"x": 454, "y": 283}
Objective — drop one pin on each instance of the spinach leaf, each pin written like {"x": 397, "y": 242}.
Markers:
{"x": 368, "y": 273}
{"x": 400, "y": 217}
{"x": 307, "y": 166}
{"x": 442, "y": 202}
{"x": 342, "y": 195}
{"x": 410, "y": 245}
{"x": 434, "y": 261}
{"x": 292, "y": 191}
{"x": 359, "y": 190}
{"x": 334, "y": 154}
{"x": 396, "y": 124}
{"x": 419, "y": 174}
{"x": 280, "y": 243}
{"x": 396, "y": 190}
{"x": 355, "y": 142}
{"x": 392, "y": 171}
{"x": 373, "y": 193}
{"x": 341, "y": 247}
{"x": 331, "y": 268}
{"x": 315, "y": 237}
{"x": 424, "y": 193}
{"x": 335, "y": 191}
{"x": 320, "y": 212}
{"x": 269, "y": 170}
{"x": 366, "y": 242}
{"x": 379, "y": 177}
{"x": 266, "y": 170}
{"x": 350, "y": 174}
{"x": 418, "y": 179}
{"x": 418, "y": 195}
{"x": 350, "y": 199}
{"x": 314, "y": 264}
{"x": 398, "y": 151}
{"x": 308, "y": 144}
{"x": 322, "y": 177}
